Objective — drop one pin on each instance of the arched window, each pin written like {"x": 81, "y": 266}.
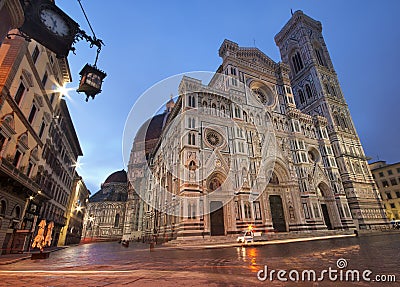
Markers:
{"x": 344, "y": 121}
{"x": 245, "y": 175}
{"x": 3, "y": 207}
{"x": 213, "y": 109}
{"x": 116, "y": 221}
{"x": 336, "y": 118}
{"x": 247, "y": 209}
{"x": 301, "y": 96}
{"x": 17, "y": 212}
{"x": 328, "y": 91}
{"x": 194, "y": 210}
{"x": 276, "y": 123}
{"x": 191, "y": 139}
{"x": 191, "y": 101}
{"x": 192, "y": 165}
{"x": 103, "y": 216}
{"x": 223, "y": 110}
{"x": 319, "y": 57}
{"x": 191, "y": 123}
{"x": 297, "y": 62}
{"x": 17, "y": 158}
{"x": 308, "y": 91}
{"x": 333, "y": 91}
{"x": 204, "y": 104}
{"x": 245, "y": 116}
{"x": 237, "y": 112}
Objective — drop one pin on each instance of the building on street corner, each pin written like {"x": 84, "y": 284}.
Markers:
{"x": 60, "y": 155}
{"x": 387, "y": 179}
{"x": 72, "y": 231}
{"x": 38, "y": 144}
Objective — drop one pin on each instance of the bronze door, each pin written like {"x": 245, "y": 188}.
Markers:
{"x": 326, "y": 216}
{"x": 277, "y": 213}
{"x": 217, "y": 218}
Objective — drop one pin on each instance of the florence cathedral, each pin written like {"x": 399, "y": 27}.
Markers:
{"x": 266, "y": 144}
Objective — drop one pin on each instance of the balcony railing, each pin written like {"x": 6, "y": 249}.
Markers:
{"x": 10, "y": 170}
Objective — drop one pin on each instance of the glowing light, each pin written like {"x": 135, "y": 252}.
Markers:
{"x": 63, "y": 91}
{"x": 250, "y": 227}
{"x": 39, "y": 192}
{"x": 78, "y": 208}
{"x": 31, "y": 197}
{"x": 77, "y": 165}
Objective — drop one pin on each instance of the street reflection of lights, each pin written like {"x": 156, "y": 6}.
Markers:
{"x": 252, "y": 254}
{"x": 244, "y": 253}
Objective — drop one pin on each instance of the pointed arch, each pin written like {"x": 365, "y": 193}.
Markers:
{"x": 308, "y": 91}
{"x": 215, "y": 181}
{"x": 301, "y": 97}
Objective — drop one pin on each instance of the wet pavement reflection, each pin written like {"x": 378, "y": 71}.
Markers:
{"x": 111, "y": 264}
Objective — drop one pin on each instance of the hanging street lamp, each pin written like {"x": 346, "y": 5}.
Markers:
{"x": 91, "y": 81}
{"x": 53, "y": 28}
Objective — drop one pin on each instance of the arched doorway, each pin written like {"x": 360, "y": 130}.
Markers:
{"x": 217, "y": 218}
{"x": 326, "y": 216}
{"x": 217, "y": 226}
{"x": 277, "y": 213}
{"x": 322, "y": 191}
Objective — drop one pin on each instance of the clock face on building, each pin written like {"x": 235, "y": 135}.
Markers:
{"x": 54, "y": 22}
{"x": 49, "y": 25}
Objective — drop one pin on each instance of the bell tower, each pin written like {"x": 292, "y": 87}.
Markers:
{"x": 317, "y": 92}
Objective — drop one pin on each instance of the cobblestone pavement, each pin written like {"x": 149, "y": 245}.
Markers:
{"x": 110, "y": 264}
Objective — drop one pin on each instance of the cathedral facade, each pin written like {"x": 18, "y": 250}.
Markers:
{"x": 266, "y": 144}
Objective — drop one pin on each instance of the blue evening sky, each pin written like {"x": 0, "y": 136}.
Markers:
{"x": 148, "y": 41}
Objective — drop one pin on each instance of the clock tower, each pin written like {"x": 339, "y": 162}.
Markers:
{"x": 317, "y": 92}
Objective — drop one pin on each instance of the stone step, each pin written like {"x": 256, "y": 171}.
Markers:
{"x": 209, "y": 240}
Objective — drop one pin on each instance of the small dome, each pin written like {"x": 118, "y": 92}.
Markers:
{"x": 118, "y": 176}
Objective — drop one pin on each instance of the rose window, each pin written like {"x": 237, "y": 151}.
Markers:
{"x": 214, "y": 138}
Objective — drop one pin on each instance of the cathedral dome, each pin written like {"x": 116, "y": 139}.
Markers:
{"x": 151, "y": 129}
{"x": 118, "y": 176}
